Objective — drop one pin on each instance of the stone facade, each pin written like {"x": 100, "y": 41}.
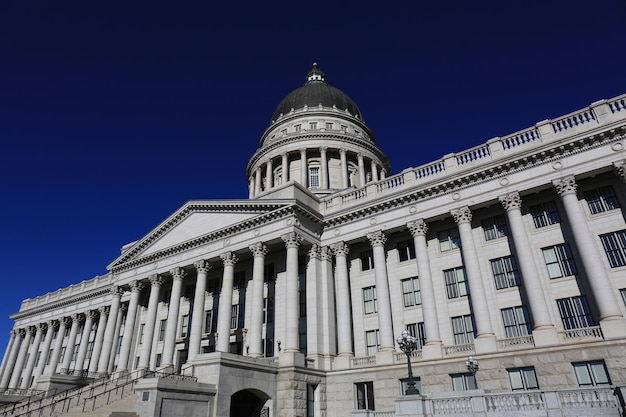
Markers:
{"x": 289, "y": 303}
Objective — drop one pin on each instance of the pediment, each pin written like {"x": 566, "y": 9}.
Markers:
{"x": 195, "y": 220}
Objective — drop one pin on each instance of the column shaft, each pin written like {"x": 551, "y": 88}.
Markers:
{"x": 129, "y": 326}
{"x": 344, "y": 168}
{"x": 171, "y": 326}
{"x": 292, "y": 242}
{"x": 58, "y": 345}
{"x": 342, "y": 282}
{"x": 226, "y": 302}
{"x": 10, "y": 356}
{"x": 50, "y": 325}
{"x": 84, "y": 341}
{"x": 108, "y": 339}
{"x": 255, "y": 335}
{"x": 97, "y": 344}
{"x": 197, "y": 317}
{"x": 324, "y": 169}
{"x": 285, "y": 168}
{"x": 383, "y": 300}
{"x": 32, "y": 357}
{"x": 21, "y": 358}
{"x": 71, "y": 341}
{"x": 148, "y": 334}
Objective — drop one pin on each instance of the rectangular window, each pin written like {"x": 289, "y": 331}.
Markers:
{"x": 62, "y": 355}
{"x": 142, "y": 327}
{"x": 162, "y": 326}
{"x": 344, "y": 128}
{"x": 184, "y": 326}
{"x": 298, "y": 128}
{"x": 545, "y": 214}
{"x": 49, "y": 357}
{"x": 559, "y": 261}
{"x": 119, "y": 344}
{"x": 623, "y": 292}
{"x": 283, "y": 132}
{"x": 372, "y": 341}
{"x": 157, "y": 361}
{"x": 314, "y": 177}
{"x": 329, "y": 126}
{"x": 208, "y": 321}
{"x": 213, "y": 286}
{"x": 234, "y": 316}
{"x": 505, "y": 272}
{"x": 601, "y": 199}
{"x": 75, "y": 351}
{"x": 364, "y": 393}
{"x": 516, "y": 321}
{"x": 575, "y": 313}
{"x": 591, "y": 373}
{"x": 367, "y": 260}
{"x": 411, "y": 294}
{"x": 369, "y": 300}
{"x": 523, "y": 378}
{"x": 406, "y": 250}
{"x": 449, "y": 239}
{"x": 456, "y": 285}
{"x": 313, "y": 125}
{"x": 615, "y": 247}
{"x": 89, "y": 350}
{"x": 310, "y": 400}
{"x": 417, "y": 331}
{"x": 239, "y": 280}
{"x": 495, "y": 227}
{"x": 38, "y": 358}
{"x": 463, "y": 382}
{"x": 268, "y": 310}
{"x": 302, "y": 297}
{"x": 463, "y": 329}
{"x": 404, "y": 384}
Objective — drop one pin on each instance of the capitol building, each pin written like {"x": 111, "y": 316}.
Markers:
{"x": 488, "y": 283}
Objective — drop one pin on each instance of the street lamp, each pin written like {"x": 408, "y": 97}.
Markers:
{"x": 472, "y": 365}
{"x": 408, "y": 344}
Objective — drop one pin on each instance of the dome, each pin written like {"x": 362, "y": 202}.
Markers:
{"x": 314, "y": 92}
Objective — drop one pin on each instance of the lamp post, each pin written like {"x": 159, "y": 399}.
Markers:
{"x": 472, "y": 365}
{"x": 408, "y": 344}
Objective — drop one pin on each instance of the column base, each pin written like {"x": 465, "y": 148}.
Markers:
{"x": 291, "y": 359}
{"x": 486, "y": 343}
{"x": 546, "y": 336}
{"x": 432, "y": 350}
{"x": 613, "y": 328}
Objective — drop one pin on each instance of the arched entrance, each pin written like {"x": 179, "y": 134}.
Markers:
{"x": 249, "y": 403}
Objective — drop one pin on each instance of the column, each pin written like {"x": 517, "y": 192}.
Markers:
{"x": 84, "y": 340}
{"x": 303, "y": 169}
{"x": 58, "y": 344}
{"x": 362, "y": 179}
{"x": 269, "y": 175}
{"x": 344, "y": 168}
{"x": 129, "y": 326}
{"x": 226, "y": 302}
{"x": 612, "y": 321}
{"x": 116, "y": 336}
{"x": 463, "y": 218}
{"x": 71, "y": 341}
{"x": 21, "y": 358}
{"x": 197, "y": 317}
{"x": 285, "y": 166}
{"x": 109, "y": 338}
{"x": 374, "y": 171}
{"x": 148, "y": 334}
{"x": 327, "y": 288}
{"x": 9, "y": 358}
{"x": 36, "y": 331}
{"x": 292, "y": 242}
{"x": 171, "y": 326}
{"x": 251, "y": 187}
{"x": 324, "y": 168}
{"x": 544, "y": 330}
{"x": 255, "y": 334}
{"x": 418, "y": 229}
{"x": 257, "y": 181}
{"x": 314, "y": 301}
{"x": 103, "y": 312}
{"x": 51, "y": 325}
{"x": 385, "y": 326}
{"x": 342, "y": 282}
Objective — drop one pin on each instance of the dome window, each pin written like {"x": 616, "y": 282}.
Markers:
{"x": 298, "y": 128}
{"x": 329, "y": 126}
{"x": 283, "y": 132}
{"x": 314, "y": 177}
{"x": 313, "y": 125}
{"x": 344, "y": 128}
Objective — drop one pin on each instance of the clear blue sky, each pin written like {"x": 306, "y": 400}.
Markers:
{"x": 114, "y": 113}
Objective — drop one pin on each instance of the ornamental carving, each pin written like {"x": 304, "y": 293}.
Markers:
{"x": 116, "y": 291}
{"x": 326, "y": 253}
{"x": 32, "y": 330}
{"x": 67, "y": 321}
{"x": 202, "y": 267}
{"x": 92, "y": 314}
{"x": 178, "y": 273}
{"x": 619, "y": 168}
{"x": 123, "y": 308}
{"x": 340, "y": 249}
{"x": 22, "y": 332}
{"x": 43, "y": 327}
{"x": 104, "y": 310}
{"x": 258, "y": 250}
{"x": 511, "y": 201}
{"x": 564, "y": 186}
{"x": 292, "y": 240}
{"x": 54, "y": 325}
{"x": 315, "y": 252}
{"x": 462, "y": 215}
{"x": 14, "y": 332}
{"x": 136, "y": 286}
{"x": 229, "y": 258}
{"x": 78, "y": 318}
{"x": 156, "y": 280}
{"x": 418, "y": 227}
{"x": 377, "y": 238}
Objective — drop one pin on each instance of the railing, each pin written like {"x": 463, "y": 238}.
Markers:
{"x": 83, "y": 373}
{"x": 19, "y": 392}
{"x": 364, "y": 361}
{"x": 515, "y": 402}
{"x": 583, "y": 333}
{"x": 401, "y": 357}
{"x": 520, "y": 138}
{"x": 573, "y": 120}
{"x": 457, "y": 405}
{"x": 459, "y": 349}
{"x": 511, "y": 342}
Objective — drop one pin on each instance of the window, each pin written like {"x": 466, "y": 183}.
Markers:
{"x": 367, "y": 260}
{"x": 75, "y": 352}
{"x": 89, "y": 350}
{"x": 283, "y": 132}
{"x": 516, "y": 321}
{"x": 234, "y": 316}
{"x": 268, "y": 310}
{"x": 495, "y": 227}
{"x": 142, "y": 327}
{"x": 591, "y": 373}
{"x": 239, "y": 280}
{"x": 157, "y": 361}
{"x": 314, "y": 177}
{"x": 615, "y": 247}
{"x": 313, "y": 125}
{"x": 411, "y": 294}
{"x": 344, "y": 128}
{"x": 404, "y": 384}
{"x": 505, "y": 272}
{"x": 456, "y": 285}
{"x": 119, "y": 344}
{"x": 601, "y": 200}
{"x": 162, "y": 327}
{"x": 575, "y": 313}
{"x": 49, "y": 357}
{"x": 372, "y": 341}
{"x": 208, "y": 321}
{"x": 62, "y": 355}
{"x": 623, "y": 292}
{"x": 523, "y": 378}
{"x": 302, "y": 297}
{"x": 364, "y": 392}
{"x": 369, "y": 300}
{"x": 449, "y": 239}
{"x": 463, "y": 329}
{"x": 310, "y": 400}
{"x": 463, "y": 382}
{"x": 417, "y": 331}
{"x": 38, "y": 357}
{"x": 545, "y": 214}
{"x": 329, "y": 126}
{"x": 559, "y": 261}
{"x": 298, "y": 128}
{"x": 406, "y": 250}
{"x": 184, "y": 326}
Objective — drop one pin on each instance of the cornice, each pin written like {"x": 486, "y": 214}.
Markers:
{"x": 68, "y": 301}
{"x": 497, "y": 169}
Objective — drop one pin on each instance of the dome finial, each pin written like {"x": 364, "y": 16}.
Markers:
{"x": 315, "y": 74}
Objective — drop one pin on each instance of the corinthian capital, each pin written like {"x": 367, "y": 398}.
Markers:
{"x": 136, "y": 286}
{"x": 418, "y": 227}
{"x": 292, "y": 240}
{"x": 229, "y": 258}
{"x": 566, "y": 185}
{"x": 116, "y": 291}
{"x": 462, "y": 215}
{"x": 619, "y": 168}
{"x": 340, "y": 249}
{"x": 202, "y": 266}
{"x": 258, "y": 249}
{"x": 377, "y": 238}
{"x": 315, "y": 252}
{"x": 155, "y": 280}
{"x": 178, "y": 273}
{"x": 511, "y": 201}
{"x": 326, "y": 253}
